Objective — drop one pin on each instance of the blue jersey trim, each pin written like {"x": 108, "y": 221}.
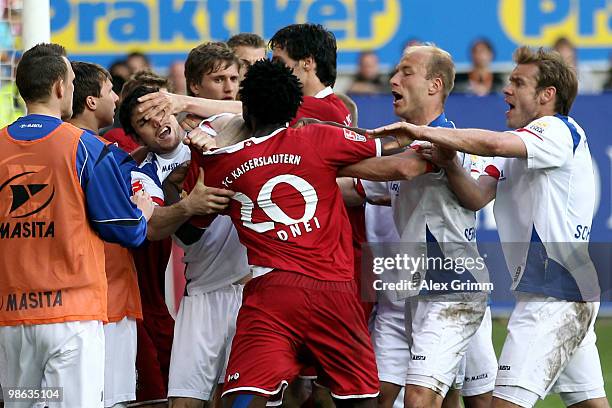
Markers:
{"x": 441, "y": 121}
{"x": 436, "y": 275}
{"x": 33, "y": 127}
{"x": 575, "y": 135}
{"x": 546, "y": 276}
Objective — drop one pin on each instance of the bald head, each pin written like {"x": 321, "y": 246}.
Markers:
{"x": 439, "y": 65}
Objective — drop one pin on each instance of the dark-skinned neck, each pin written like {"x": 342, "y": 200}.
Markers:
{"x": 259, "y": 131}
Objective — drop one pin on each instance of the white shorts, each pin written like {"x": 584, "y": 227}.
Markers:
{"x": 439, "y": 336}
{"x": 67, "y": 355}
{"x": 120, "y": 362}
{"x": 203, "y": 333}
{"x": 550, "y": 347}
{"x": 480, "y": 361}
{"x": 390, "y": 342}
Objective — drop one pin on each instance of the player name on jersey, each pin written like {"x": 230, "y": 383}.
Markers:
{"x": 32, "y": 300}
{"x": 25, "y": 229}
{"x": 295, "y": 230}
{"x": 285, "y": 158}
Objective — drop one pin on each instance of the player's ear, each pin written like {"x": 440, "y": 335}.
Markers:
{"x": 90, "y": 102}
{"x": 194, "y": 89}
{"x": 58, "y": 88}
{"x": 547, "y": 95}
{"x": 308, "y": 63}
{"x": 436, "y": 85}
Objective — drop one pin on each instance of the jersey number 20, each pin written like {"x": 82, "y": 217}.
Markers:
{"x": 272, "y": 210}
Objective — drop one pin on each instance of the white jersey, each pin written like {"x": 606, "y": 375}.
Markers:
{"x": 154, "y": 169}
{"x": 544, "y": 207}
{"x": 379, "y": 218}
{"x": 427, "y": 212}
{"x": 218, "y": 258}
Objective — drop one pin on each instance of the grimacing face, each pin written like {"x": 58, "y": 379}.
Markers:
{"x": 409, "y": 84}
{"x": 521, "y": 96}
{"x": 160, "y": 139}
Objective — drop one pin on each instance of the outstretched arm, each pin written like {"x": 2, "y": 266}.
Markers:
{"x": 402, "y": 166}
{"x": 157, "y": 106}
{"x": 473, "y": 141}
{"x": 390, "y": 147}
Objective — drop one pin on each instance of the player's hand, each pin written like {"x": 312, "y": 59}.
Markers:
{"x": 305, "y": 122}
{"x": 204, "y": 200}
{"x": 442, "y": 157}
{"x": 144, "y": 203}
{"x": 403, "y": 132}
{"x": 200, "y": 140}
{"x": 158, "y": 106}
{"x": 177, "y": 176}
{"x": 190, "y": 122}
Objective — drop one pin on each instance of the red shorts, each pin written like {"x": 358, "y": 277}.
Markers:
{"x": 288, "y": 320}
{"x": 155, "y": 336}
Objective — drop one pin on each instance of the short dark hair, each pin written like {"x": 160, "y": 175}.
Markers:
{"x": 130, "y": 101}
{"x": 246, "y": 40}
{"x": 39, "y": 68}
{"x": 206, "y": 58}
{"x": 144, "y": 78}
{"x": 88, "y": 81}
{"x": 270, "y": 93}
{"x": 310, "y": 40}
{"x": 552, "y": 71}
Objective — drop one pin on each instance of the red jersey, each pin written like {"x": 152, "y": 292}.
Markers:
{"x": 125, "y": 142}
{"x": 327, "y": 106}
{"x": 288, "y": 210}
{"x": 324, "y": 106}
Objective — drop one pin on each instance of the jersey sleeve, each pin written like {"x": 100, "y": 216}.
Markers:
{"x": 476, "y": 164}
{"x": 375, "y": 190}
{"x": 494, "y": 167}
{"x": 340, "y": 147}
{"x": 110, "y": 210}
{"x": 125, "y": 162}
{"x": 143, "y": 179}
{"x": 548, "y": 141}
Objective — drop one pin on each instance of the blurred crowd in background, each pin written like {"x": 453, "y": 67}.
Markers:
{"x": 479, "y": 79}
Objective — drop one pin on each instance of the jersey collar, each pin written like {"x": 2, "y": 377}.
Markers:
{"x": 440, "y": 121}
{"x": 324, "y": 93}
{"x": 240, "y": 145}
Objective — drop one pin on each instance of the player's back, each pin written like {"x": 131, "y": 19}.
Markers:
{"x": 325, "y": 106}
{"x": 287, "y": 209}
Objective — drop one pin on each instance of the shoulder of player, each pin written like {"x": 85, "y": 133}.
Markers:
{"x": 91, "y": 143}
{"x": 148, "y": 161}
{"x": 146, "y": 173}
{"x": 318, "y": 128}
{"x": 545, "y": 126}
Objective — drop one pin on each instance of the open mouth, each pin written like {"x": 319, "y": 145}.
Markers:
{"x": 164, "y": 132}
{"x": 396, "y": 96}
